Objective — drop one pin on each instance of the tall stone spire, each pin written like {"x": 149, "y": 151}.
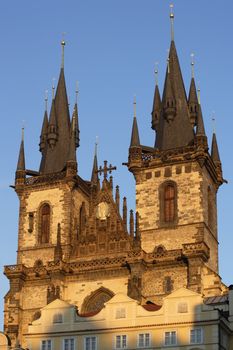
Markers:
{"x": 193, "y": 102}
{"x": 156, "y": 105}
{"x": 44, "y": 131}
{"x": 21, "y": 158}
{"x": 57, "y": 150}
{"x": 214, "y": 150}
{"x": 75, "y": 120}
{"x": 174, "y": 128}
{"x": 94, "y": 175}
{"x": 135, "y": 141}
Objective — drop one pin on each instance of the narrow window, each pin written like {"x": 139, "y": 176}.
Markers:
{"x": 82, "y": 217}
{"x": 168, "y": 284}
{"x": 30, "y": 222}
{"x": 169, "y": 203}
{"x": 44, "y": 224}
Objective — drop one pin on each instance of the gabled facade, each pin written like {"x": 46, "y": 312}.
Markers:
{"x": 76, "y": 249}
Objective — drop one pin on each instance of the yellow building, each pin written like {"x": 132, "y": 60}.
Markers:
{"x": 92, "y": 276}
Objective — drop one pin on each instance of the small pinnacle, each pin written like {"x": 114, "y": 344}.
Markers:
{"x": 134, "y": 103}
{"x": 213, "y": 122}
{"x": 63, "y": 43}
{"x": 76, "y": 92}
{"x": 156, "y": 73}
{"x": 46, "y": 100}
{"x": 192, "y": 64}
{"x": 172, "y": 21}
{"x": 53, "y": 88}
{"x": 22, "y": 134}
{"x": 199, "y": 95}
{"x": 96, "y": 144}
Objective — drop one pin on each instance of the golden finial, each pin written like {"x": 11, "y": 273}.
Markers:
{"x": 53, "y": 88}
{"x": 168, "y": 63}
{"x": 46, "y": 100}
{"x": 76, "y": 92}
{"x": 172, "y": 21}
{"x": 156, "y": 73}
{"x": 213, "y": 122}
{"x": 199, "y": 95}
{"x": 22, "y": 132}
{"x": 134, "y": 103}
{"x": 63, "y": 43}
{"x": 192, "y": 64}
{"x": 96, "y": 144}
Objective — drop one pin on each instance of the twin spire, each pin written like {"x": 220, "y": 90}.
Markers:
{"x": 59, "y": 136}
{"x": 176, "y": 119}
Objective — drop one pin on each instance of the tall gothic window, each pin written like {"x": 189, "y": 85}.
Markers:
{"x": 168, "y": 203}
{"x": 44, "y": 229}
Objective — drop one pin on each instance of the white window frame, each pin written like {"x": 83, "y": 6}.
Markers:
{"x": 121, "y": 341}
{"x": 46, "y": 340}
{"x": 90, "y": 336}
{"x": 170, "y": 333}
{"x": 68, "y": 338}
{"x": 144, "y": 340}
{"x": 195, "y": 336}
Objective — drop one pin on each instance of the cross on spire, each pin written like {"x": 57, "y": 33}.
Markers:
{"x": 105, "y": 169}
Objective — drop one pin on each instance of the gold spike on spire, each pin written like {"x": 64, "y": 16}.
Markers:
{"x": 135, "y": 104}
{"x": 168, "y": 63}
{"x": 156, "y": 73}
{"x": 96, "y": 144}
{"x": 53, "y": 88}
{"x": 46, "y": 100}
{"x": 22, "y": 134}
{"x": 172, "y": 21}
{"x": 76, "y": 93}
{"x": 213, "y": 122}
{"x": 63, "y": 43}
{"x": 192, "y": 64}
{"x": 199, "y": 95}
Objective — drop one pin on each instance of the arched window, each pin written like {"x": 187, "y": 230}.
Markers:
{"x": 168, "y": 284}
{"x": 168, "y": 203}
{"x": 82, "y": 217}
{"x": 44, "y": 229}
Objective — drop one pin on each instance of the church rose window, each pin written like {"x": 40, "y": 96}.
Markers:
{"x": 44, "y": 224}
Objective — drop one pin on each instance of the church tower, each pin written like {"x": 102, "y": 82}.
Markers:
{"x": 176, "y": 187}
{"x": 75, "y": 243}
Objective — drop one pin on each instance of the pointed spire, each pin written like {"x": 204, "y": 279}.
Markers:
{"x": 137, "y": 235}
{"x": 63, "y": 43}
{"x": 131, "y": 224}
{"x": 21, "y": 158}
{"x": 76, "y": 125}
{"x": 156, "y": 105}
{"x": 135, "y": 141}
{"x": 58, "y": 248}
{"x": 214, "y": 150}
{"x": 52, "y": 127}
{"x": 94, "y": 176}
{"x": 200, "y": 123}
{"x": 117, "y": 197}
{"x": 175, "y": 109}
{"x": 72, "y": 151}
{"x": 193, "y": 103}
{"x": 125, "y": 212}
{"x": 44, "y": 129}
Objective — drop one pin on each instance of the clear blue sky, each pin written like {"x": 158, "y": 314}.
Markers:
{"x": 111, "y": 50}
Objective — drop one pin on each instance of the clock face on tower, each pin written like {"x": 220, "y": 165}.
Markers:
{"x": 102, "y": 211}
